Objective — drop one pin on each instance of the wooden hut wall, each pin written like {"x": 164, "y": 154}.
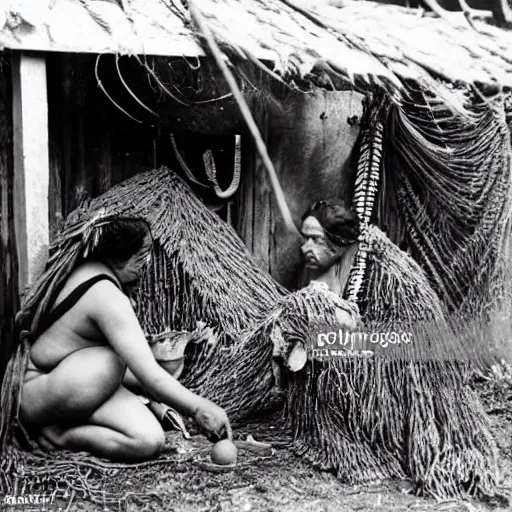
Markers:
{"x": 8, "y": 257}
{"x": 311, "y": 140}
{"x": 93, "y": 145}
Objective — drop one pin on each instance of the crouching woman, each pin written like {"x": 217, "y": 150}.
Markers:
{"x": 88, "y": 345}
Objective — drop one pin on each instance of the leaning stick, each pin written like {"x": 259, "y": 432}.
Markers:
{"x": 246, "y": 113}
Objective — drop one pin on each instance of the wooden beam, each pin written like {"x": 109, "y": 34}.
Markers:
{"x": 31, "y": 165}
{"x": 9, "y": 266}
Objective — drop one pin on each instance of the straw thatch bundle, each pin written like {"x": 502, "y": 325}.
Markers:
{"x": 362, "y": 44}
{"x": 191, "y": 279}
{"x": 453, "y": 180}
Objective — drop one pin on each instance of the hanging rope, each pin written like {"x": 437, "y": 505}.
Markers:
{"x": 366, "y": 188}
{"x": 130, "y": 92}
{"x": 211, "y": 171}
{"x": 186, "y": 169}
{"x": 100, "y": 85}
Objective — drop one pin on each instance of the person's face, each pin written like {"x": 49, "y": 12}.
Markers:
{"x": 133, "y": 267}
{"x": 318, "y": 252}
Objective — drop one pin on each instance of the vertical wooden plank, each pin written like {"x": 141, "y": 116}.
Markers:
{"x": 67, "y": 129}
{"x": 31, "y": 164}
{"x": 105, "y": 162}
{"x": 82, "y": 149}
{"x": 254, "y": 215}
{"x": 8, "y": 261}
{"x": 244, "y": 199}
{"x": 55, "y": 106}
{"x": 56, "y": 217}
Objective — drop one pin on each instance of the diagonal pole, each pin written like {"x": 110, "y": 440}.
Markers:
{"x": 246, "y": 113}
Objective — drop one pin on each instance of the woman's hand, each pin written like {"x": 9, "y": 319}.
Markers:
{"x": 212, "y": 420}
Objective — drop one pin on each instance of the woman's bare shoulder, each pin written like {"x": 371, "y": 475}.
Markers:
{"x": 82, "y": 273}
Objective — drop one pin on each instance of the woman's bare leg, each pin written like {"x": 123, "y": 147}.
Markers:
{"x": 81, "y": 405}
{"x": 74, "y": 389}
{"x": 121, "y": 429}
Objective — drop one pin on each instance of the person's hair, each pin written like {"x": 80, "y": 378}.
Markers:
{"x": 339, "y": 220}
{"x": 121, "y": 239}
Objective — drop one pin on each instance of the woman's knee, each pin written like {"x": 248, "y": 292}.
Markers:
{"x": 147, "y": 444}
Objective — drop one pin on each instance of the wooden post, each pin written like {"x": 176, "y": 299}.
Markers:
{"x": 31, "y": 164}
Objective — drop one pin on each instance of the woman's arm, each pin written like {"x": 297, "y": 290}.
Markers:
{"x": 112, "y": 312}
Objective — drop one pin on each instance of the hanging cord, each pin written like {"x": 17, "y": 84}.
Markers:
{"x": 211, "y": 171}
{"x": 108, "y": 95}
{"x": 184, "y": 166}
{"x": 365, "y": 194}
{"x": 260, "y": 144}
{"x": 130, "y": 92}
{"x": 220, "y": 98}
{"x": 185, "y": 99}
{"x": 159, "y": 83}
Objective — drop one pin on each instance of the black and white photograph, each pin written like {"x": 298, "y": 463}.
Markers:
{"x": 255, "y": 255}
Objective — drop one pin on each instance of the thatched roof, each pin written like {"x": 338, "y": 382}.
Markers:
{"x": 362, "y": 43}
{"x": 97, "y": 26}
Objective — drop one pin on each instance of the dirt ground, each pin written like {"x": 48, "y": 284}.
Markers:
{"x": 282, "y": 482}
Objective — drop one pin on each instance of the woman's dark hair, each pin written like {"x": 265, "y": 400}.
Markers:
{"x": 339, "y": 220}
{"x": 121, "y": 239}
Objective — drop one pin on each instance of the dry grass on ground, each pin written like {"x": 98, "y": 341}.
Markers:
{"x": 284, "y": 483}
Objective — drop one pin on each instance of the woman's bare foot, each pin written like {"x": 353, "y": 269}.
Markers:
{"x": 45, "y": 445}
{"x": 51, "y": 438}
